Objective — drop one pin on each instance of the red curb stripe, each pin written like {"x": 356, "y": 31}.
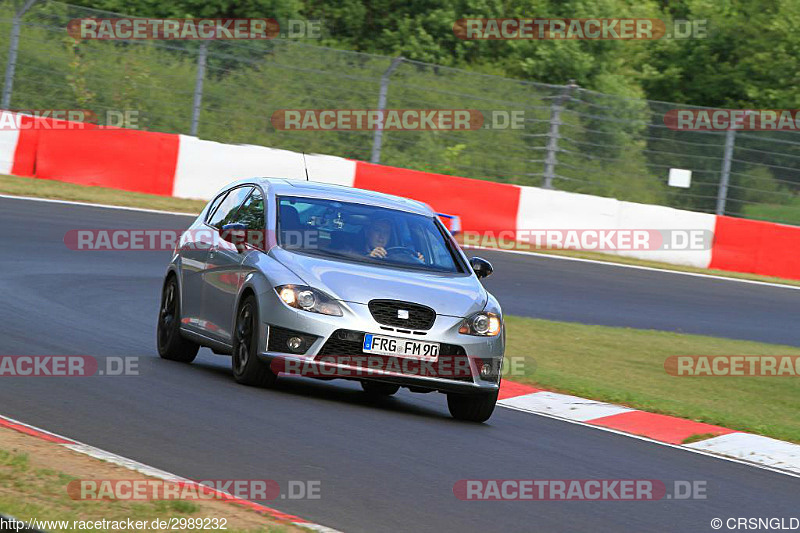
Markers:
{"x": 662, "y": 428}
{"x": 263, "y": 509}
{"x": 28, "y": 430}
{"x": 274, "y": 513}
{"x": 512, "y": 389}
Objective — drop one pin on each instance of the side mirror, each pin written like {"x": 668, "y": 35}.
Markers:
{"x": 482, "y": 267}
{"x": 235, "y": 234}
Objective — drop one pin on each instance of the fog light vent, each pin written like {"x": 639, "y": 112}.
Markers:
{"x": 284, "y": 340}
{"x": 295, "y": 344}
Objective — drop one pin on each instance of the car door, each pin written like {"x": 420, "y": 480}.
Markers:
{"x": 194, "y": 253}
{"x": 220, "y": 278}
{"x": 225, "y": 270}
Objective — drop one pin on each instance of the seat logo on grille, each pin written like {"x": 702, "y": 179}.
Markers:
{"x": 402, "y": 313}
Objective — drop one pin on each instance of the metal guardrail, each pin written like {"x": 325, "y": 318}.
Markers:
{"x": 571, "y": 138}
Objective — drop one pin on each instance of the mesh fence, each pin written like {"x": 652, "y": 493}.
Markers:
{"x": 569, "y": 138}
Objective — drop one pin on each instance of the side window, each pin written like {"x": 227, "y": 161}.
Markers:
{"x": 434, "y": 243}
{"x": 226, "y": 211}
{"x": 251, "y": 214}
{"x": 215, "y": 204}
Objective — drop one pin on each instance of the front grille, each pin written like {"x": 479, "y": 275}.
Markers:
{"x": 345, "y": 342}
{"x": 386, "y": 312}
{"x": 338, "y": 345}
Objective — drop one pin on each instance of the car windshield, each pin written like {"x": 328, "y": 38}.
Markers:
{"x": 364, "y": 233}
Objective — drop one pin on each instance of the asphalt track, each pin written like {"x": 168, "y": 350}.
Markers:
{"x": 383, "y": 466}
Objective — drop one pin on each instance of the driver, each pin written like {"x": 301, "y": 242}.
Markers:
{"x": 378, "y": 235}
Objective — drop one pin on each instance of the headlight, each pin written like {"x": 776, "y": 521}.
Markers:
{"x": 308, "y": 299}
{"x": 481, "y": 324}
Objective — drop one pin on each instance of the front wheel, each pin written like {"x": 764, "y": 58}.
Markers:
{"x": 171, "y": 344}
{"x": 472, "y": 407}
{"x": 248, "y": 369}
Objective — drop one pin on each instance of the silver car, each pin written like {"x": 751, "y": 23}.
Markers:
{"x": 302, "y": 278}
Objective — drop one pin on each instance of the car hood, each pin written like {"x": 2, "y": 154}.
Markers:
{"x": 359, "y": 283}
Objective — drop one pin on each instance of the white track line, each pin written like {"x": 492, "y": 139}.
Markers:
{"x": 519, "y": 252}
{"x": 103, "y": 206}
{"x": 637, "y": 267}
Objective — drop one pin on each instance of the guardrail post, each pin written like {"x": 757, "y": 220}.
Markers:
{"x": 725, "y": 174}
{"x": 12, "y": 54}
{"x": 550, "y": 159}
{"x": 377, "y": 137}
{"x": 198, "y": 87}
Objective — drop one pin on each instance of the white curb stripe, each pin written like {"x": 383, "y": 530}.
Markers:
{"x": 756, "y": 448}
{"x": 563, "y": 406}
{"x": 684, "y": 447}
{"x": 124, "y": 462}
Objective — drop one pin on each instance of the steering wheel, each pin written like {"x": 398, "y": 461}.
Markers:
{"x": 403, "y": 251}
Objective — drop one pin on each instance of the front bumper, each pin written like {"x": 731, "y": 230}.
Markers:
{"x": 463, "y": 351}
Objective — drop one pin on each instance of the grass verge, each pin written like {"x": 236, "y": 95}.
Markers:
{"x": 788, "y": 213}
{"x": 626, "y": 366}
{"x": 34, "y": 475}
{"x": 57, "y": 190}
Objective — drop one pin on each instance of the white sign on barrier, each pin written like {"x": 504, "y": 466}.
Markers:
{"x": 679, "y": 177}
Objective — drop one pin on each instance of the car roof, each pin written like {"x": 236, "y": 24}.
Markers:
{"x": 343, "y": 193}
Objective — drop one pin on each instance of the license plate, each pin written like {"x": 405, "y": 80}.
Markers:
{"x": 381, "y": 345}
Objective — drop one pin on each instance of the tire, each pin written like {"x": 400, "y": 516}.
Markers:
{"x": 248, "y": 369}
{"x": 171, "y": 344}
{"x": 471, "y": 407}
{"x": 377, "y": 388}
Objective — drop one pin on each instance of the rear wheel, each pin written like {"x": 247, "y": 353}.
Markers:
{"x": 248, "y": 369}
{"x": 171, "y": 344}
{"x": 377, "y": 388}
{"x": 472, "y": 407}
